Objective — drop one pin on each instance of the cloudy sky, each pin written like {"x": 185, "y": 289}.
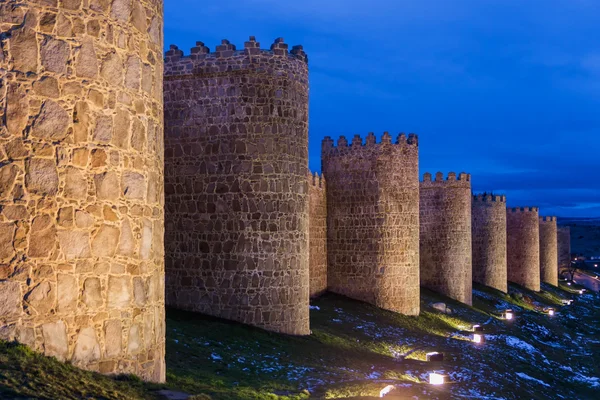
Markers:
{"x": 507, "y": 90}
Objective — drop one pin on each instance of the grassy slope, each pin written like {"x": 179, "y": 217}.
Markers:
{"x": 355, "y": 350}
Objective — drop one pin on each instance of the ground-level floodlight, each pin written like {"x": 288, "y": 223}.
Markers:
{"x": 477, "y": 338}
{"x": 434, "y": 356}
{"x": 568, "y": 302}
{"x": 386, "y": 390}
{"x": 477, "y": 328}
{"x": 509, "y": 315}
{"x": 569, "y": 283}
{"x": 436, "y": 379}
{"x": 582, "y": 291}
{"x": 551, "y": 311}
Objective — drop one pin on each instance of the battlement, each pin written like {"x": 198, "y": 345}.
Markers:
{"x": 523, "y": 209}
{"x": 452, "y": 177}
{"x": 548, "y": 219}
{"x": 316, "y": 180}
{"x": 328, "y": 146}
{"x": 489, "y": 198}
{"x": 226, "y": 50}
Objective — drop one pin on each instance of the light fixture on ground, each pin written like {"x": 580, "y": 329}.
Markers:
{"x": 436, "y": 378}
{"x": 551, "y": 311}
{"x": 509, "y": 315}
{"x": 477, "y": 338}
{"x": 434, "y": 356}
{"x": 582, "y": 291}
{"x": 386, "y": 390}
{"x": 477, "y": 328}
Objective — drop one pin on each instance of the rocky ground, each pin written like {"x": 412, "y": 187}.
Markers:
{"x": 355, "y": 351}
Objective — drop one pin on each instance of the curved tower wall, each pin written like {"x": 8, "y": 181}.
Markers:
{"x": 81, "y": 192}
{"x": 564, "y": 246}
{"x": 373, "y": 220}
{"x": 549, "y": 250}
{"x": 317, "y": 234}
{"x": 446, "y": 254}
{"x": 523, "y": 247}
{"x": 489, "y": 241}
{"x": 236, "y": 179}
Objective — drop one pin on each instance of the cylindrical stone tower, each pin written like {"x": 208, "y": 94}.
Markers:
{"x": 446, "y": 255}
{"x": 236, "y": 176}
{"x": 81, "y": 192}
{"x": 564, "y": 246}
{"x": 317, "y": 234}
{"x": 523, "y": 247}
{"x": 373, "y": 220}
{"x": 549, "y": 250}
{"x": 489, "y": 241}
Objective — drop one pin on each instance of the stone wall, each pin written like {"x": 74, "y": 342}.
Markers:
{"x": 489, "y": 241}
{"x": 564, "y": 246}
{"x": 446, "y": 255}
{"x": 317, "y": 234}
{"x": 548, "y": 250}
{"x": 373, "y": 220}
{"x": 81, "y": 192}
{"x": 236, "y": 179}
{"x": 523, "y": 247}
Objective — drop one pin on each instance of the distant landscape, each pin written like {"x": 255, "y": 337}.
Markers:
{"x": 585, "y": 235}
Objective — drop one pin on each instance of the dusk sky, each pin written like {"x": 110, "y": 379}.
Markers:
{"x": 507, "y": 90}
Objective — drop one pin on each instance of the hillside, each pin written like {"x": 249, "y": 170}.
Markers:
{"x": 356, "y": 350}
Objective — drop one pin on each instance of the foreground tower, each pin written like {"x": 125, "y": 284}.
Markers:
{"x": 317, "y": 234}
{"x": 549, "y": 250}
{"x": 523, "y": 247}
{"x": 373, "y": 220}
{"x": 236, "y": 162}
{"x": 446, "y": 253}
{"x": 81, "y": 236}
{"x": 564, "y": 247}
{"x": 489, "y": 241}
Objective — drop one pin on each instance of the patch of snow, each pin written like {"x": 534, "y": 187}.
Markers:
{"x": 216, "y": 357}
{"x": 314, "y": 308}
{"x": 336, "y": 320}
{"x": 520, "y": 344}
{"x": 530, "y": 378}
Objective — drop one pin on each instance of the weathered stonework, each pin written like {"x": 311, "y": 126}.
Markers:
{"x": 317, "y": 213}
{"x": 549, "y": 250}
{"x": 564, "y": 246}
{"x": 236, "y": 176}
{"x": 81, "y": 192}
{"x": 523, "y": 246}
{"x": 446, "y": 255}
{"x": 373, "y": 220}
{"x": 489, "y": 241}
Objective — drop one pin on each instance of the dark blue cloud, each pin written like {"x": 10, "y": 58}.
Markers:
{"x": 506, "y": 90}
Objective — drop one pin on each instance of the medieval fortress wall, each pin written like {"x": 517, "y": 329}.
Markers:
{"x": 250, "y": 234}
{"x": 564, "y": 246}
{"x": 236, "y": 179}
{"x": 549, "y": 250}
{"x": 373, "y": 220}
{"x": 317, "y": 216}
{"x": 81, "y": 182}
{"x": 489, "y": 241}
{"x": 523, "y": 247}
{"x": 445, "y": 226}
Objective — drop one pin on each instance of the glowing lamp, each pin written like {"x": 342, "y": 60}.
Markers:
{"x": 551, "y": 311}
{"x": 569, "y": 283}
{"x": 434, "y": 356}
{"x": 436, "y": 379}
{"x": 386, "y": 390}
{"x": 582, "y": 291}
{"x": 477, "y": 328}
{"x": 508, "y": 314}
{"x": 477, "y": 338}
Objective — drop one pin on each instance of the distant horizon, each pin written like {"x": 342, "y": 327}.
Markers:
{"x": 507, "y": 92}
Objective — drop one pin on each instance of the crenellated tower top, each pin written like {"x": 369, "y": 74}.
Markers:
{"x": 357, "y": 144}
{"x": 226, "y": 50}
{"x": 489, "y": 198}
